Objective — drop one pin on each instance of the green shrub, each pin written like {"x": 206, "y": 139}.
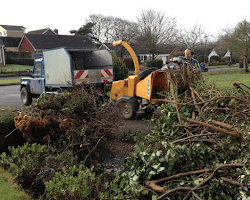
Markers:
{"x": 21, "y": 61}
{"x": 23, "y": 160}
{"x": 7, "y": 125}
{"x": 31, "y": 164}
{"x": 214, "y": 58}
{"x": 154, "y": 63}
{"x": 129, "y": 63}
{"x": 120, "y": 69}
{"x": 200, "y": 58}
{"x": 80, "y": 183}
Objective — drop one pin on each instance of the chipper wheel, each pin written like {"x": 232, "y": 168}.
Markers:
{"x": 128, "y": 109}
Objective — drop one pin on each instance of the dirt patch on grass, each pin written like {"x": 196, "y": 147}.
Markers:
{"x": 117, "y": 146}
{"x": 140, "y": 124}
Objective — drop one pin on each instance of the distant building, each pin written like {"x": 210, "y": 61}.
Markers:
{"x": 227, "y": 55}
{"x": 213, "y": 53}
{"x": 2, "y": 57}
{"x": 11, "y": 31}
{"x": 37, "y": 43}
{"x": 45, "y": 31}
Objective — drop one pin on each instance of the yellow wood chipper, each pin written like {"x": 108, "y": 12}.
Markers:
{"x": 135, "y": 92}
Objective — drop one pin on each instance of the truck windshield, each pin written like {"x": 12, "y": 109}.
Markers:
{"x": 37, "y": 69}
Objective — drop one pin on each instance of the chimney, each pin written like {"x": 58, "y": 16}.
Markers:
{"x": 56, "y": 31}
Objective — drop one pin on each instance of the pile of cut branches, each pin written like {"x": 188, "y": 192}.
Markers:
{"x": 200, "y": 147}
{"x": 71, "y": 126}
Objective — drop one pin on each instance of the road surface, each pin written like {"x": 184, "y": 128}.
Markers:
{"x": 221, "y": 69}
{"x": 10, "y": 96}
{"x": 12, "y": 77}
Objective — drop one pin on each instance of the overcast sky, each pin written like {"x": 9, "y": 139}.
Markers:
{"x": 212, "y": 15}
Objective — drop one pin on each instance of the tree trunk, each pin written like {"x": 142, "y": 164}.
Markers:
{"x": 245, "y": 63}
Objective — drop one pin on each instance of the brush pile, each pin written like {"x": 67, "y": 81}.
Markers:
{"x": 73, "y": 121}
{"x": 200, "y": 146}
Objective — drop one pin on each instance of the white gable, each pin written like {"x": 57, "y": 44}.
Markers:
{"x": 213, "y": 53}
{"x": 227, "y": 54}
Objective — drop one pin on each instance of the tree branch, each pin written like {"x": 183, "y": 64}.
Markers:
{"x": 233, "y": 133}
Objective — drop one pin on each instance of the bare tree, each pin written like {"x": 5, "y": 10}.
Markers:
{"x": 102, "y": 27}
{"x": 226, "y": 41}
{"x": 109, "y": 29}
{"x": 237, "y": 40}
{"x": 192, "y": 37}
{"x": 124, "y": 30}
{"x": 242, "y": 41}
{"x": 155, "y": 29}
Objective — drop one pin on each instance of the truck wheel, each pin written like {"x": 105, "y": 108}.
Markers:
{"x": 26, "y": 97}
{"x": 146, "y": 72}
{"x": 128, "y": 109}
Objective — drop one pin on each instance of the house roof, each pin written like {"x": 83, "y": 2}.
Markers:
{"x": 108, "y": 45}
{"x": 10, "y": 41}
{"x": 138, "y": 49}
{"x": 42, "y": 42}
{"x": 163, "y": 50}
{"x": 1, "y": 43}
{"x": 41, "y": 31}
{"x": 13, "y": 28}
{"x": 118, "y": 50}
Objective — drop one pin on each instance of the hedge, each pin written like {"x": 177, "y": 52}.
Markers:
{"x": 20, "y": 61}
{"x": 154, "y": 63}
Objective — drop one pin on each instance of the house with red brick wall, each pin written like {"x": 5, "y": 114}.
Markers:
{"x": 11, "y": 31}
{"x": 37, "y": 43}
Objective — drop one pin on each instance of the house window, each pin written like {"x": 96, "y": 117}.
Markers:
{"x": 5, "y": 33}
{"x": 0, "y": 33}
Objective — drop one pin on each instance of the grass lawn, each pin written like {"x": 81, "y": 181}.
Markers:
{"x": 15, "y": 68}
{"x": 226, "y": 80}
{"x": 9, "y": 81}
{"x": 9, "y": 189}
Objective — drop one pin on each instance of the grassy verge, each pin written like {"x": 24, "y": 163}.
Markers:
{"x": 9, "y": 189}
{"x": 15, "y": 68}
{"x": 9, "y": 81}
